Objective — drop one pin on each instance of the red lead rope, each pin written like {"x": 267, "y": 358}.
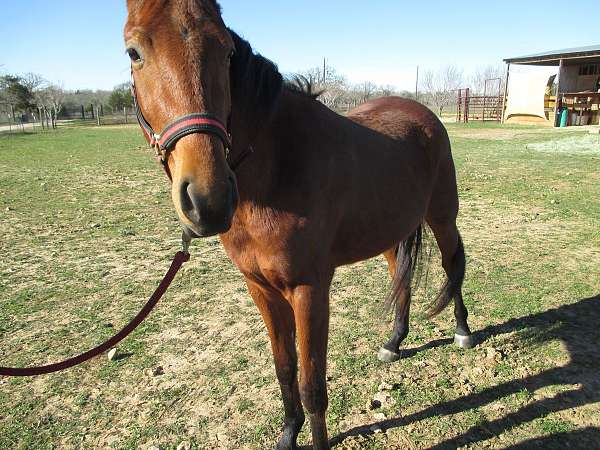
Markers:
{"x": 178, "y": 261}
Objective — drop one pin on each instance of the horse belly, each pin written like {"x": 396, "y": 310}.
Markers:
{"x": 382, "y": 213}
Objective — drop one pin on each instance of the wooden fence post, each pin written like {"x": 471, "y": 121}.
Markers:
{"x": 505, "y": 96}
{"x": 467, "y": 101}
{"x": 558, "y": 87}
{"x": 458, "y": 106}
{"x": 484, "y": 98}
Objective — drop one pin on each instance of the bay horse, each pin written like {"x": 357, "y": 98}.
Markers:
{"x": 309, "y": 191}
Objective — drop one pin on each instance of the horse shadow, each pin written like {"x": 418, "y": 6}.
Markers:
{"x": 577, "y": 325}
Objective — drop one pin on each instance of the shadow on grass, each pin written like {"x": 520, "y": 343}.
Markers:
{"x": 410, "y": 352}
{"x": 122, "y": 356}
{"x": 578, "y": 326}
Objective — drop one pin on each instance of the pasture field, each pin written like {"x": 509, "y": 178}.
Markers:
{"x": 88, "y": 231}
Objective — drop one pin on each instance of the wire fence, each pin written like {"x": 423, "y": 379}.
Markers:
{"x": 69, "y": 116}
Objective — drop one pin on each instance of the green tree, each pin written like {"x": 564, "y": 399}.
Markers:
{"x": 16, "y": 93}
{"x": 115, "y": 101}
{"x": 120, "y": 97}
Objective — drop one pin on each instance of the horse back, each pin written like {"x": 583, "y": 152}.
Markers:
{"x": 406, "y": 120}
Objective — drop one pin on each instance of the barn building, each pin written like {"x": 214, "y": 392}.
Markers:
{"x": 559, "y": 88}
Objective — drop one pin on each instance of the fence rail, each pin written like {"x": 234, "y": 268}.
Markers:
{"x": 92, "y": 112}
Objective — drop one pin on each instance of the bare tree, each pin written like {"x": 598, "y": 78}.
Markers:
{"x": 386, "y": 91}
{"x": 367, "y": 90}
{"x": 318, "y": 77}
{"x": 334, "y": 94}
{"x": 42, "y": 102}
{"x": 482, "y": 74}
{"x": 339, "y": 95}
{"x": 333, "y": 86}
{"x": 50, "y": 100}
{"x": 56, "y": 97}
{"x": 440, "y": 86}
{"x": 33, "y": 81}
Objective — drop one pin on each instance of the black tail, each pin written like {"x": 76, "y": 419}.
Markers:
{"x": 408, "y": 256}
{"x": 411, "y": 261}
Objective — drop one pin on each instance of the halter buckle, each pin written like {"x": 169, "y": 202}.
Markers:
{"x": 161, "y": 154}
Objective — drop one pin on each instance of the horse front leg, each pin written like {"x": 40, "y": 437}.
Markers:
{"x": 279, "y": 319}
{"x": 311, "y": 310}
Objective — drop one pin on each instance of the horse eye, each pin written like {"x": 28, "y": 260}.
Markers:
{"x": 230, "y": 55}
{"x": 134, "y": 55}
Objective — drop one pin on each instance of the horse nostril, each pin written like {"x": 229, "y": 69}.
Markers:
{"x": 188, "y": 199}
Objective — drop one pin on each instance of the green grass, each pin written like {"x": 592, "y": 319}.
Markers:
{"x": 88, "y": 230}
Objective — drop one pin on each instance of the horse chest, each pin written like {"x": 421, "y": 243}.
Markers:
{"x": 266, "y": 256}
{"x": 273, "y": 268}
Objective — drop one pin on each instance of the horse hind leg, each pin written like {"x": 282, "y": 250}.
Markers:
{"x": 454, "y": 263}
{"x": 390, "y": 352}
{"x": 401, "y": 262}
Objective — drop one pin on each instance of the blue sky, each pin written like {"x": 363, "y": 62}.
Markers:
{"x": 79, "y": 42}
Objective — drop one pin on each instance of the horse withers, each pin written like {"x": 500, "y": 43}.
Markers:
{"x": 310, "y": 191}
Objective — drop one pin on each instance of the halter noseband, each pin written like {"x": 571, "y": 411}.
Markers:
{"x": 165, "y": 141}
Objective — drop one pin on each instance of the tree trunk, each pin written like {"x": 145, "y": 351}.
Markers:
{"x": 51, "y": 119}
{"x": 47, "y": 118}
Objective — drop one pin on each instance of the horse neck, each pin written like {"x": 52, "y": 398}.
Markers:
{"x": 270, "y": 140}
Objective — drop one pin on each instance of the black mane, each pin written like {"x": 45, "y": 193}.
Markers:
{"x": 216, "y": 5}
{"x": 256, "y": 83}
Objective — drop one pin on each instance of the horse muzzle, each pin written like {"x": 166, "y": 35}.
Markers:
{"x": 205, "y": 214}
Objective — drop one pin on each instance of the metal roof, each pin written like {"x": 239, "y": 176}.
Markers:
{"x": 554, "y": 57}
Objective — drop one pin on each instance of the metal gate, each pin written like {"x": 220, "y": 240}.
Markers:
{"x": 480, "y": 107}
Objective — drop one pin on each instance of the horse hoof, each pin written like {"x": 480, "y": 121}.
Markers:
{"x": 387, "y": 356}
{"x": 464, "y": 341}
